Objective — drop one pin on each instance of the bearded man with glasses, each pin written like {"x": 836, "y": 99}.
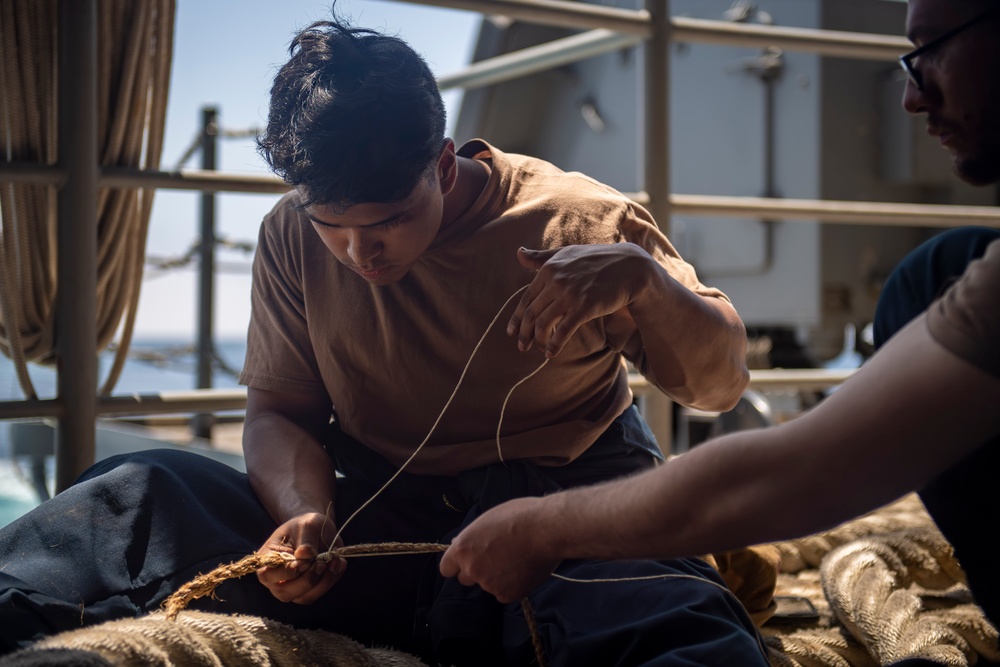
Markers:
{"x": 952, "y": 79}
{"x": 923, "y": 414}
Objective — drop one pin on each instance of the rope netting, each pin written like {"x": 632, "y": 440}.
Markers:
{"x": 135, "y": 42}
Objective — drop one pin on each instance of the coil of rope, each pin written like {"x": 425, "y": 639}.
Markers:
{"x": 135, "y": 42}
{"x": 895, "y": 590}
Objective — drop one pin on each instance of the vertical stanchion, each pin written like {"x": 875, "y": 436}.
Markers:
{"x": 76, "y": 247}
{"x": 656, "y": 162}
{"x": 201, "y": 424}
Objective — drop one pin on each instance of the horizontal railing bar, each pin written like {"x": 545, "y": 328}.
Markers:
{"x": 835, "y": 43}
{"x": 35, "y": 174}
{"x": 32, "y": 408}
{"x": 204, "y": 400}
{"x": 538, "y": 58}
{"x": 167, "y": 402}
{"x": 833, "y": 211}
{"x": 205, "y": 180}
{"x": 805, "y": 379}
{"x": 559, "y": 13}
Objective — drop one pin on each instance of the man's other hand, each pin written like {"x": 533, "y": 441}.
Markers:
{"x": 574, "y": 285}
{"x": 504, "y": 551}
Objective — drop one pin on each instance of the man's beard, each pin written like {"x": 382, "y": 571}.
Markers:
{"x": 982, "y": 166}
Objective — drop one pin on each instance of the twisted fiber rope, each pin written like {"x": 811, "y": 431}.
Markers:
{"x": 872, "y": 585}
{"x": 201, "y": 639}
{"x": 831, "y": 647}
{"x": 135, "y": 41}
{"x": 205, "y": 584}
{"x": 808, "y": 552}
{"x": 869, "y": 584}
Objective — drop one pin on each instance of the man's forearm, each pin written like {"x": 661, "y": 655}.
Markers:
{"x": 865, "y": 445}
{"x": 288, "y": 469}
{"x": 695, "y": 346}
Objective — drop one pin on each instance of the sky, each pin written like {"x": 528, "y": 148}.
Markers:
{"x": 225, "y": 54}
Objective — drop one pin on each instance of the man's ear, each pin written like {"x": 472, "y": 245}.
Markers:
{"x": 447, "y": 167}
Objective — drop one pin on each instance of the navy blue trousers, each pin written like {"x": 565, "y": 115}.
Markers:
{"x": 962, "y": 500}
{"x": 136, "y": 527}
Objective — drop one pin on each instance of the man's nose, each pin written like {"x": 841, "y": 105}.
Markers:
{"x": 914, "y": 98}
{"x": 362, "y": 247}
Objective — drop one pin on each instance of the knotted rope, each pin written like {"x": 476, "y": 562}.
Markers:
{"x": 870, "y": 586}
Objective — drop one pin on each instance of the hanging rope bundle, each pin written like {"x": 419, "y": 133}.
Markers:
{"x": 135, "y": 41}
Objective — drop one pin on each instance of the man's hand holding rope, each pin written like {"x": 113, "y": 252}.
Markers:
{"x": 305, "y": 579}
{"x": 503, "y": 551}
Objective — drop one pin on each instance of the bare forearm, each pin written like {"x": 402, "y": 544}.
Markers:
{"x": 870, "y": 442}
{"x": 288, "y": 469}
{"x": 711, "y": 499}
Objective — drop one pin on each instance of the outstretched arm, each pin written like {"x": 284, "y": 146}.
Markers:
{"x": 295, "y": 480}
{"x": 911, "y": 412}
{"x": 695, "y": 346}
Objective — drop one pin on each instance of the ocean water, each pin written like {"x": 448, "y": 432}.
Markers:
{"x": 153, "y": 365}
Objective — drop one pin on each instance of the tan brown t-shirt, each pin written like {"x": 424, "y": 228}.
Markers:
{"x": 966, "y": 320}
{"x": 390, "y": 356}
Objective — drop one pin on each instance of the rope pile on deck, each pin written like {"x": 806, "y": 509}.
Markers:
{"x": 888, "y": 587}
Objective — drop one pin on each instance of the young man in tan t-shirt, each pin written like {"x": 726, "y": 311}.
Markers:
{"x": 373, "y": 285}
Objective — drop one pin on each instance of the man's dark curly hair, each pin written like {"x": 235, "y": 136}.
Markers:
{"x": 355, "y": 117}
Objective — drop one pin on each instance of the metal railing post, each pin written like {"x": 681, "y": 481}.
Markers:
{"x": 201, "y": 424}
{"x": 76, "y": 247}
{"x": 657, "y": 409}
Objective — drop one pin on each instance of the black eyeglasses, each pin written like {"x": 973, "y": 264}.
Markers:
{"x": 906, "y": 61}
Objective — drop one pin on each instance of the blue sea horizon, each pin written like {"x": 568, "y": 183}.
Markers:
{"x": 154, "y": 365}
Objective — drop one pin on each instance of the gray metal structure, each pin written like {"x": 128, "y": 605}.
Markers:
{"x": 757, "y": 119}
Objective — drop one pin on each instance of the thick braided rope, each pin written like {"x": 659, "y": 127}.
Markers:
{"x": 808, "y": 552}
{"x": 870, "y": 586}
{"x": 868, "y": 594}
{"x": 200, "y": 639}
{"x": 827, "y": 647}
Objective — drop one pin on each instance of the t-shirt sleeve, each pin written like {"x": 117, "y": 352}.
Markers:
{"x": 638, "y": 227}
{"x": 966, "y": 320}
{"x": 279, "y": 354}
